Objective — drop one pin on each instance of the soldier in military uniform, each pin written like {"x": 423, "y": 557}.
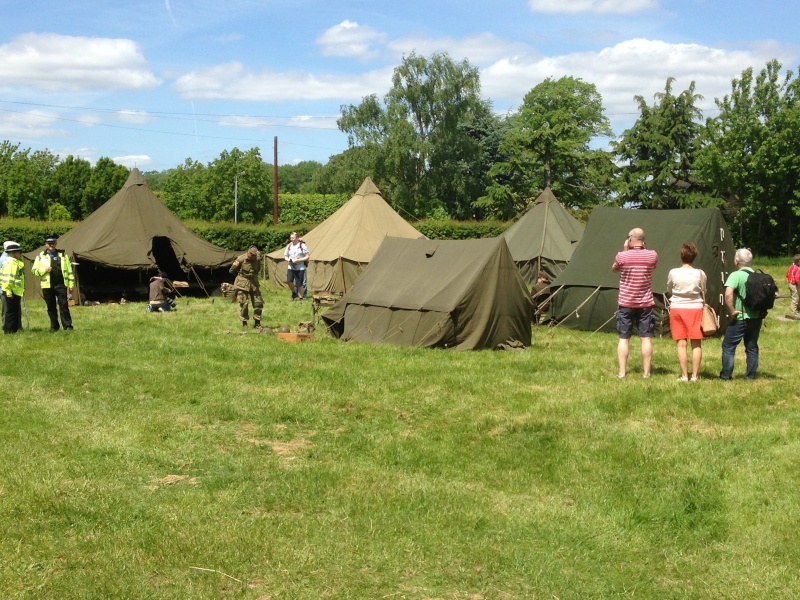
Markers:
{"x": 247, "y": 268}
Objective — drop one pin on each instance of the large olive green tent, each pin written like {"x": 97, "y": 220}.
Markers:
{"x": 343, "y": 244}
{"x": 463, "y": 295}
{"x": 132, "y": 234}
{"x": 544, "y": 238}
{"x": 585, "y": 294}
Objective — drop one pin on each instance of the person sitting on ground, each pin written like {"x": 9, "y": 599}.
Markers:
{"x": 161, "y": 299}
{"x": 686, "y": 288}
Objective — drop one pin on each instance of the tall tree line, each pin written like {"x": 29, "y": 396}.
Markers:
{"x": 437, "y": 150}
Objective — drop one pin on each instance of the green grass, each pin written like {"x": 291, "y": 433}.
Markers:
{"x": 171, "y": 456}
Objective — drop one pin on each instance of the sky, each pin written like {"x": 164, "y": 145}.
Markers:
{"x": 154, "y": 83}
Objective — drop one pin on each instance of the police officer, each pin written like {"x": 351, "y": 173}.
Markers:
{"x": 54, "y": 269}
{"x": 12, "y": 286}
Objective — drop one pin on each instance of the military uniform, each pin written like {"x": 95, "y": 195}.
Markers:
{"x": 247, "y": 287}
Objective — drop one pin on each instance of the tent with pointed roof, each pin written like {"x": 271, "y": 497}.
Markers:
{"x": 133, "y": 233}
{"x": 455, "y": 294}
{"x": 343, "y": 244}
{"x": 544, "y": 238}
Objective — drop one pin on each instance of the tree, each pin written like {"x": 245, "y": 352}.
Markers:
{"x": 70, "y": 178}
{"x": 254, "y": 192}
{"x": 106, "y": 180}
{"x": 345, "y": 172}
{"x": 183, "y": 191}
{"x": 422, "y": 137}
{"x": 751, "y": 158}
{"x": 7, "y": 153}
{"x": 547, "y": 144}
{"x": 657, "y": 154}
{"x": 297, "y": 179}
{"x": 28, "y": 184}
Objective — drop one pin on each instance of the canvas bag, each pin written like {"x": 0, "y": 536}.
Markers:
{"x": 709, "y": 324}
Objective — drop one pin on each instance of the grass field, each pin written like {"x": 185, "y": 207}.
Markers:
{"x": 173, "y": 456}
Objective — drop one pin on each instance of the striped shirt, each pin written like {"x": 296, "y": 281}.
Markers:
{"x": 636, "y": 277}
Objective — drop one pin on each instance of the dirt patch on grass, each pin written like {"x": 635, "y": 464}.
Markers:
{"x": 290, "y": 452}
{"x": 681, "y": 425}
{"x": 173, "y": 479}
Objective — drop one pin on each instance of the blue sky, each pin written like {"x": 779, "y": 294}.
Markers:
{"x": 154, "y": 82}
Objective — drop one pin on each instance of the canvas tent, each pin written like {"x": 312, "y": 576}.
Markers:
{"x": 462, "y": 295}
{"x": 544, "y": 238}
{"x": 129, "y": 236}
{"x": 585, "y": 294}
{"x": 341, "y": 246}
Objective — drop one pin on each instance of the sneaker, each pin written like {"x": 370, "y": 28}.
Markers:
{"x": 244, "y": 324}
{"x": 257, "y": 325}
{"x": 682, "y": 378}
{"x": 646, "y": 376}
{"x": 620, "y": 375}
{"x": 694, "y": 379}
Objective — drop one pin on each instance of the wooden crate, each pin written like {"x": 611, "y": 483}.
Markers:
{"x": 295, "y": 337}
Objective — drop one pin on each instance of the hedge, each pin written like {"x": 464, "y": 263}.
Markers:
{"x": 30, "y": 234}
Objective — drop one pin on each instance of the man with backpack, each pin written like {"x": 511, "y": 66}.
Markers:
{"x": 748, "y": 296}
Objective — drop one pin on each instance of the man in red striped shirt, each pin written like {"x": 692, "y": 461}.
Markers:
{"x": 635, "y": 265}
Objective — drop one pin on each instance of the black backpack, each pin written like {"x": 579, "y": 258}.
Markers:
{"x": 760, "y": 290}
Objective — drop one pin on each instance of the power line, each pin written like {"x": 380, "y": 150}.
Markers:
{"x": 177, "y": 133}
{"x": 181, "y": 116}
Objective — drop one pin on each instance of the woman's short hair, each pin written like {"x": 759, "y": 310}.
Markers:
{"x": 688, "y": 253}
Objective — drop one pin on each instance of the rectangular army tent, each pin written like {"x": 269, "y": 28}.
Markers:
{"x": 462, "y": 295}
{"x": 585, "y": 294}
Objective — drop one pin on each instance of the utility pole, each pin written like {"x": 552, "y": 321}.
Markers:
{"x": 236, "y": 197}
{"x": 275, "y": 185}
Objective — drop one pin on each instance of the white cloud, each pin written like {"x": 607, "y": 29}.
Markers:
{"x": 592, "y": 6}
{"x": 630, "y": 68}
{"x": 133, "y": 160}
{"x": 29, "y": 124}
{"x": 232, "y": 81}
{"x": 479, "y": 49}
{"x": 88, "y": 120}
{"x": 138, "y": 117}
{"x": 82, "y": 153}
{"x": 348, "y": 38}
{"x": 55, "y": 62}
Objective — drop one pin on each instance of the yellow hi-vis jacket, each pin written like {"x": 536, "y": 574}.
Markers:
{"x": 12, "y": 277}
{"x": 43, "y": 261}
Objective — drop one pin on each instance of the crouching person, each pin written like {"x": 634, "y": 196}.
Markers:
{"x": 161, "y": 299}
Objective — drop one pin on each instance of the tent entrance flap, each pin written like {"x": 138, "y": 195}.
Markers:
{"x": 163, "y": 254}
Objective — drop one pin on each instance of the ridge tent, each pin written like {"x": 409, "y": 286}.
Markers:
{"x": 343, "y": 244}
{"x": 544, "y": 238}
{"x": 463, "y": 295}
{"x": 585, "y": 294}
{"x": 130, "y": 234}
